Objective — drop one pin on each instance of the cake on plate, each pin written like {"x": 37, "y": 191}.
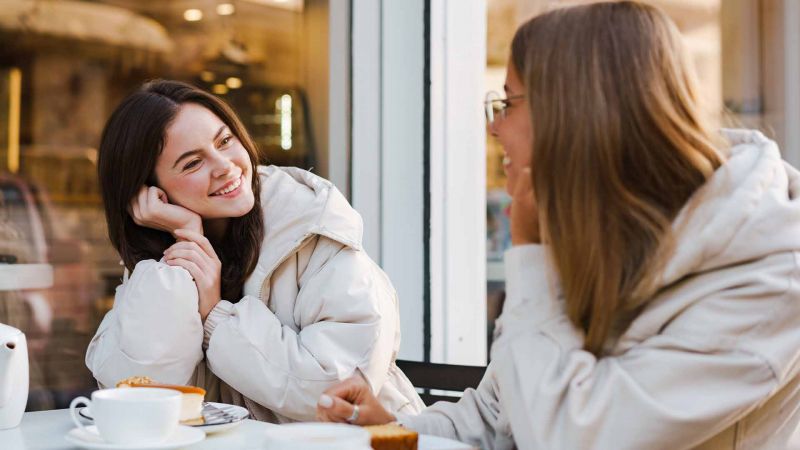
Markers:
{"x": 392, "y": 437}
{"x": 191, "y": 398}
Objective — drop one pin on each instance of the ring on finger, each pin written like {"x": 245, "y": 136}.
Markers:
{"x": 353, "y": 417}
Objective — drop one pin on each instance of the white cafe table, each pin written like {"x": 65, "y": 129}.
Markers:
{"x": 45, "y": 430}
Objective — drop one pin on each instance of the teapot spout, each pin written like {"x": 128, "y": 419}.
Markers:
{"x": 8, "y": 348}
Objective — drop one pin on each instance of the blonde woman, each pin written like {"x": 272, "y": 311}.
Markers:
{"x": 653, "y": 287}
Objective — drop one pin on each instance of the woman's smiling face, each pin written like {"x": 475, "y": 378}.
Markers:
{"x": 513, "y": 131}
{"x": 203, "y": 166}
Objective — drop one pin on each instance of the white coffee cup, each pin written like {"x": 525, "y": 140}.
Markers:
{"x": 132, "y": 415}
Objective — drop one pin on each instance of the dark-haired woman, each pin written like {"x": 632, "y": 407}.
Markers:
{"x": 249, "y": 281}
{"x": 653, "y": 290}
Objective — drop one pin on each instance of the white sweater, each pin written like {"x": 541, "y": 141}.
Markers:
{"x": 711, "y": 363}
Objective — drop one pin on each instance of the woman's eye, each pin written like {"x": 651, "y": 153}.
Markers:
{"x": 192, "y": 164}
{"x": 225, "y": 141}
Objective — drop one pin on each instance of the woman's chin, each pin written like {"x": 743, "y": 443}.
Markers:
{"x": 247, "y": 205}
{"x": 232, "y": 208}
{"x": 510, "y": 184}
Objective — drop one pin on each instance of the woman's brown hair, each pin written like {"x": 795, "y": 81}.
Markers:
{"x": 620, "y": 144}
{"x": 131, "y": 142}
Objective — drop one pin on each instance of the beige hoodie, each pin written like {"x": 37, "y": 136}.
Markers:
{"x": 711, "y": 363}
{"x": 315, "y": 310}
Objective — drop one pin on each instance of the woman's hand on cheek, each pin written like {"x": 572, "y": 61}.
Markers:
{"x": 524, "y": 214}
{"x": 151, "y": 209}
{"x": 194, "y": 253}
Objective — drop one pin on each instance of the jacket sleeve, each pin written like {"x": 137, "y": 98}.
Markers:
{"x": 477, "y": 419}
{"x": 731, "y": 347}
{"x": 285, "y": 367}
{"x": 153, "y": 329}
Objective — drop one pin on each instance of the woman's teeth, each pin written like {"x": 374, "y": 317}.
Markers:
{"x": 230, "y": 188}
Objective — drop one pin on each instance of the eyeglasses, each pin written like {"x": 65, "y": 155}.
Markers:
{"x": 495, "y": 106}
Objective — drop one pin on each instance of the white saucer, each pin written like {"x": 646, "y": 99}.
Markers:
{"x": 236, "y": 414}
{"x": 90, "y": 439}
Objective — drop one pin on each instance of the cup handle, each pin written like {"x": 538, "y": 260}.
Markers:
{"x": 73, "y": 412}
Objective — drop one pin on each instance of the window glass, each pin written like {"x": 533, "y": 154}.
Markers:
{"x": 64, "y": 66}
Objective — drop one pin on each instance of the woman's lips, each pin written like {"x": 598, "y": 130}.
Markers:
{"x": 231, "y": 189}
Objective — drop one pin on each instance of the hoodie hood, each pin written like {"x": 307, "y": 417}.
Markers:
{"x": 747, "y": 210}
{"x": 296, "y": 205}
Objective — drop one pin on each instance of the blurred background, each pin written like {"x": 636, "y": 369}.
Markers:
{"x": 64, "y": 65}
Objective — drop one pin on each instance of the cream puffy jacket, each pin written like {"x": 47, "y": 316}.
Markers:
{"x": 711, "y": 363}
{"x": 315, "y": 310}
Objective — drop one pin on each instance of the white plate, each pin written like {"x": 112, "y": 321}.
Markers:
{"x": 236, "y": 414}
{"x": 428, "y": 442}
{"x": 90, "y": 439}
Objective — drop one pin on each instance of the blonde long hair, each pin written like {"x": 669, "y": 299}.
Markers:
{"x": 620, "y": 144}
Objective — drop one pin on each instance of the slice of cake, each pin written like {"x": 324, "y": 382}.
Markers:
{"x": 392, "y": 437}
{"x": 191, "y": 400}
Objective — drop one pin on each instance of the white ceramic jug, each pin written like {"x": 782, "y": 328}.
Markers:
{"x": 13, "y": 376}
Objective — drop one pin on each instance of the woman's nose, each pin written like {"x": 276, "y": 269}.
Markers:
{"x": 222, "y": 166}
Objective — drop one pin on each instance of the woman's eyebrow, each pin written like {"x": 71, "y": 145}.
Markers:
{"x": 219, "y": 132}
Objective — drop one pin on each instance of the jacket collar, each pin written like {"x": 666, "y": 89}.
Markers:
{"x": 298, "y": 204}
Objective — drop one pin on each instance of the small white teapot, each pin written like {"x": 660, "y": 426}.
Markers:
{"x": 13, "y": 376}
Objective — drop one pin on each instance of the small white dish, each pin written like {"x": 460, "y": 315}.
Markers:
{"x": 89, "y": 438}
{"x": 237, "y": 415}
{"x": 429, "y": 442}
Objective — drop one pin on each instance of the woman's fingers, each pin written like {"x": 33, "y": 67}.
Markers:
{"x": 187, "y": 245}
{"x": 209, "y": 262}
{"x": 190, "y": 251}
{"x": 191, "y": 266}
{"x": 137, "y": 203}
{"x": 198, "y": 239}
{"x": 338, "y": 403}
{"x": 523, "y": 188}
{"x": 351, "y": 389}
{"x": 338, "y": 410}
{"x": 156, "y": 198}
{"x": 135, "y": 212}
{"x": 193, "y": 269}
{"x": 196, "y": 256}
